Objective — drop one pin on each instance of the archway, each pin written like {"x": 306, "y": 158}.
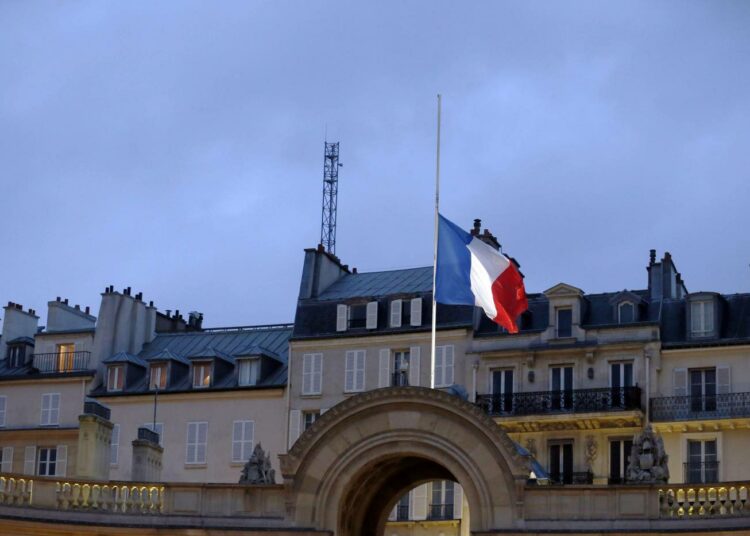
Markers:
{"x": 345, "y": 473}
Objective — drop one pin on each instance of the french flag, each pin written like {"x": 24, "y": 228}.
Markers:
{"x": 470, "y": 272}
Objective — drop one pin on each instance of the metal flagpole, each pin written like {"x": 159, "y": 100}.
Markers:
{"x": 435, "y": 248}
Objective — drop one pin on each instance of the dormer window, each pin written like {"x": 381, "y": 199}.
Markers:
{"x": 357, "y": 316}
{"x": 202, "y": 375}
{"x": 248, "y": 371}
{"x": 625, "y": 312}
{"x": 115, "y": 378}
{"x": 65, "y": 355}
{"x": 702, "y": 318}
{"x": 564, "y": 322}
{"x": 16, "y": 356}
{"x": 158, "y": 376}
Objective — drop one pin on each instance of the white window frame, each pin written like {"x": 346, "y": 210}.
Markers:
{"x": 196, "y": 443}
{"x": 3, "y": 409}
{"x": 706, "y": 329}
{"x": 445, "y": 365}
{"x": 253, "y": 371}
{"x": 619, "y": 310}
{"x": 312, "y": 374}
{"x": 354, "y": 373}
{"x": 50, "y": 414}
{"x": 114, "y": 446}
{"x": 242, "y": 445}
{"x": 159, "y": 430}
{"x": 202, "y": 366}
{"x": 7, "y": 460}
{"x": 115, "y": 376}
{"x": 163, "y": 374}
{"x": 47, "y": 462}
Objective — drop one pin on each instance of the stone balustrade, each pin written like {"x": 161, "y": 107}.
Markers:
{"x": 15, "y": 491}
{"x": 125, "y": 498}
{"x": 685, "y": 501}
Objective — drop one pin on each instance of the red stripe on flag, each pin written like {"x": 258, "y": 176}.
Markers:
{"x": 509, "y": 296}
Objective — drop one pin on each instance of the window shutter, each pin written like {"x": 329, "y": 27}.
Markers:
{"x": 439, "y": 365}
{"x": 416, "y": 312}
{"x": 448, "y": 365}
{"x": 62, "y": 460}
{"x": 384, "y": 379}
{"x": 372, "y": 315}
{"x": 349, "y": 371}
{"x": 307, "y": 365}
{"x": 679, "y": 382}
{"x": 7, "y": 466}
{"x": 342, "y": 314}
{"x": 55, "y": 409}
{"x": 723, "y": 380}
{"x": 237, "y": 441}
{"x": 414, "y": 366}
{"x": 708, "y": 317}
{"x": 317, "y": 373}
{"x": 295, "y": 416}
{"x": 29, "y": 461}
{"x": 392, "y": 515}
{"x": 695, "y": 316}
{"x": 114, "y": 445}
{"x": 359, "y": 371}
{"x": 396, "y": 313}
{"x": 419, "y": 502}
{"x": 458, "y": 501}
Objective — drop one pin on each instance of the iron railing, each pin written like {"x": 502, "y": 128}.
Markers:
{"x": 572, "y": 477}
{"x": 402, "y": 512}
{"x": 400, "y": 379}
{"x": 701, "y": 472}
{"x": 61, "y": 362}
{"x": 689, "y": 408}
{"x": 95, "y": 408}
{"x": 146, "y": 434}
{"x": 571, "y": 401}
{"x": 440, "y": 511}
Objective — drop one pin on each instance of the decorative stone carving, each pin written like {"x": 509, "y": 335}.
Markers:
{"x": 648, "y": 460}
{"x": 258, "y": 469}
{"x": 531, "y": 446}
{"x": 592, "y": 449}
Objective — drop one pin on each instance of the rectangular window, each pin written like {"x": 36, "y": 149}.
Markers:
{"x": 158, "y": 376}
{"x": 444, "y": 366}
{"x": 50, "y": 409}
{"x": 561, "y": 462}
{"x": 65, "y": 353}
{"x": 357, "y": 316}
{"x": 202, "y": 374}
{"x": 195, "y": 448}
{"x": 115, "y": 378}
{"x": 312, "y": 374}
{"x": 402, "y": 508}
{"x": 561, "y": 386}
{"x": 6, "y": 460}
{"x": 441, "y": 506}
{"x": 248, "y": 373}
{"x": 309, "y": 417}
{"x": 242, "y": 440}
{"x": 703, "y": 389}
{"x": 619, "y": 451}
{"x": 354, "y": 374}
{"x": 159, "y": 430}
{"x": 502, "y": 391}
{"x": 626, "y": 312}
{"x": 564, "y": 322}
{"x": 47, "y": 461}
{"x": 114, "y": 445}
{"x": 3, "y": 402}
{"x": 401, "y": 368}
{"x": 620, "y": 381}
{"x": 15, "y": 356}
{"x": 702, "y": 465}
{"x": 701, "y": 318}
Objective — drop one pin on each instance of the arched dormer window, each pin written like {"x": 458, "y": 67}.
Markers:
{"x": 625, "y": 312}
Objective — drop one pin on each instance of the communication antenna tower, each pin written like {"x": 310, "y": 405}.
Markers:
{"x": 330, "y": 194}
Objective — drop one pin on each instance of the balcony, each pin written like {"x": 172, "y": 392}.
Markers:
{"x": 696, "y": 408}
{"x": 701, "y": 472}
{"x": 573, "y": 477}
{"x": 60, "y": 362}
{"x": 400, "y": 379}
{"x": 553, "y": 402}
{"x": 440, "y": 512}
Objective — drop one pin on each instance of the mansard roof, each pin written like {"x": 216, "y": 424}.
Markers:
{"x": 379, "y": 284}
{"x": 733, "y": 322}
{"x": 124, "y": 357}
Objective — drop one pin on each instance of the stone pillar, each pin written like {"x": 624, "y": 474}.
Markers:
{"x": 94, "y": 438}
{"x": 146, "y": 457}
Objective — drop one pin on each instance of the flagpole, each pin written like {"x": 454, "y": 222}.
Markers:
{"x": 435, "y": 248}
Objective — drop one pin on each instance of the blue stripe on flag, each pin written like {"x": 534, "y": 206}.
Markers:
{"x": 452, "y": 281}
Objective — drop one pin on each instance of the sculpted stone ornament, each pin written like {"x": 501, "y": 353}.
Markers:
{"x": 258, "y": 469}
{"x": 648, "y": 460}
{"x": 592, "y": 449}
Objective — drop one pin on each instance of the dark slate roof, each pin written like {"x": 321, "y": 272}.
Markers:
{"x": 211, "y": 353}
{"x": 124, "y": 357}
{"x": 25, "y": 340}
{"x": 733, "y": 322}
{"x": 166, "y": 355}
{"x": 259, "y": 350}
{"x": 378, "y": 284}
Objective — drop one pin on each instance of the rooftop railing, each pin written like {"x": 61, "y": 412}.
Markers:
{"x": 91, "y": 407}
{"x": 690, "y": 408}
{"x": 58, "y": 362}
{"x": 570, "y": 401}
{"x": 146, "y": 434}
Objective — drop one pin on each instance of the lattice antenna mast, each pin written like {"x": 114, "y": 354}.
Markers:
{"x": 330, "y": 194}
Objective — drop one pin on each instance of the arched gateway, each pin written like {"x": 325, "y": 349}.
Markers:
{"x": 346, "y": 472}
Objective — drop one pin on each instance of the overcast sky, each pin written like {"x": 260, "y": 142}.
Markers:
{"x": 177, "y": 147}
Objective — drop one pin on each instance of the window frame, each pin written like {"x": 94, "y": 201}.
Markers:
{"x": 163, "y": 369}
{"x": 3, "y": 409}
{"x": 442, "y": 352}
{"x": 253, "y": 374}
{"x": 119, "y": 378}
{"x": 114, "y": 446}
{"x": 619, "y": 312}
{"x": 196, "y": 443}
{"x": 245, "y": 445}
{"x": 51, "y": 409}
{"x": 203, "y": 366}
{"x": 65, "y": 358}
{"x": 558, "y": 333}
{"x": 703, "y": 306}
{"x": 48, "y": 463}
{"x": 312, "y": 374}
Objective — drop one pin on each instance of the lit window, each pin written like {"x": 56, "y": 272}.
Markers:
{"x": 248, "y": 373}
{"x": 115, "y": 378}
{"x": 626, "y": 312}
{"x": 197, "y": 437}
{"x": 65, "y": 354}
{"x": 701, "y": 318}
{"x": 202, "y": 375}
{"x": 158, "y": 376}
{"x": 564, "y": 322}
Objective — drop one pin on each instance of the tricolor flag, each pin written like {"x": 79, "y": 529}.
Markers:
{"x": 470, "y": 272}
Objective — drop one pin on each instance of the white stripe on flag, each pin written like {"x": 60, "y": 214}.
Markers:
{"x": 486, "y": 266}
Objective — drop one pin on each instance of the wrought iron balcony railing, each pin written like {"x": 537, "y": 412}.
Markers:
{"x": 571, "y": 401}
{"x": 146, "y": 434}
{"x": 400, "y": 379}
{"x": 701, "y": 472}
{"x": 91, "y": 407}
{"x": 61, "y": 362}
{"x": 440, "y": 511}
{"x": 689, "y": 408}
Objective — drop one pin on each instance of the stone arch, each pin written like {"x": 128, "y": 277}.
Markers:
{"x": 346, "y": 471}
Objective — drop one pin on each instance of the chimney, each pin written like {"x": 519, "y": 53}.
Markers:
{"x": 487, "y": 237}
{"x": 17, "y": 323}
